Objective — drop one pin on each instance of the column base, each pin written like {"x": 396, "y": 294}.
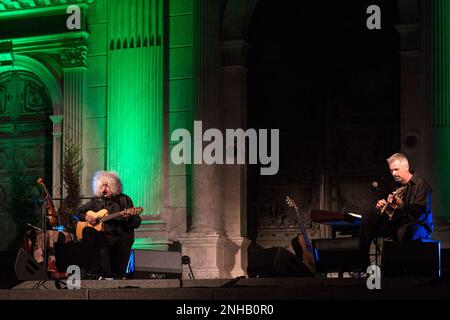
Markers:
{"x": 237, "y": 255}
{"x": 207, "y": 254}
{"x": 215, "y": 256}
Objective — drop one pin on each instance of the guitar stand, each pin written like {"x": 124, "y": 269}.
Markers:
{"x": 58, "y": 284}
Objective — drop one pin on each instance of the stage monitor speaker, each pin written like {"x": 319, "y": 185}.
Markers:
{"x": 275, "y": 262}
{"x": 337, "y": 255}
{"x": 8, "y": 278}
{"x": 28, "y": 269}
{"x": 411, "y": 259}
{"x": 94, "y": 258}
{"x": 7, "y": 260}
{"x": 155, "y": 264}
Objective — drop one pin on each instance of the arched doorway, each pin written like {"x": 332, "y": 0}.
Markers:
{"x": 25, "y": 151}
{"x": 332, "y": 87}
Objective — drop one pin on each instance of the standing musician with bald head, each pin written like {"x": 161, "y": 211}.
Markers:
{"x": 406, "y": 213}
{"x": 117, "y": 233}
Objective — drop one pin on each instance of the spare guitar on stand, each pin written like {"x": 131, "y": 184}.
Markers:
{"x": 307, "y": 251}
{"x": 49, "y": 216}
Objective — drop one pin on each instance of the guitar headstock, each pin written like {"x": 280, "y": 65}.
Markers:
{"x": 40, "y": 181}
{"x": 291, "y": 203}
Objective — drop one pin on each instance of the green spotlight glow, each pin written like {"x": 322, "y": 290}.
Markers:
{"x": 135, "y": 104}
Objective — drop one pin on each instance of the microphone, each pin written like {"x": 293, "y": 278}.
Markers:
{"x": 378, "y": 189}
{"x": 376, "y": 186}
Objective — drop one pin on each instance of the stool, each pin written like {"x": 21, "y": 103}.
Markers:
{"x": 414, "y": 259}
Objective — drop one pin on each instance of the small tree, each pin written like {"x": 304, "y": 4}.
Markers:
{"x": 72, "y": 166}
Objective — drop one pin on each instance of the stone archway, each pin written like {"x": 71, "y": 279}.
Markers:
{"x": 234, "y": 48}
{"x": 48, "y": 79}
{"x": 25, "y": 150}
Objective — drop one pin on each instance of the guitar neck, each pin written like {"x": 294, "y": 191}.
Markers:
{"x": 302, "y": 227}
{"x": 119, "y": 213}
{"x": 112, "y": 216}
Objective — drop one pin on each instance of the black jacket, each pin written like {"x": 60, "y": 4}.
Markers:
{"x": 416, "y": 207}
{"x": 116, "y": 227}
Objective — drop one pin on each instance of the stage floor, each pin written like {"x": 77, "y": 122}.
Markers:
{"x": 225, "y": 289}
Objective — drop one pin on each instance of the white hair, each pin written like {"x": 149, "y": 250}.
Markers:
{"x": 400, "y": 157}
{"x": 109, "y": 177}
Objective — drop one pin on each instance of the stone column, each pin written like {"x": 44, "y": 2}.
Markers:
{"x": 436, "y": 132}
{"x": 205, "y": 242}
{"x": 73, "y": 61}
{"x": 206, "y": 210}
{"x": 57, "y": 188}
{"x": 234, "y": 75}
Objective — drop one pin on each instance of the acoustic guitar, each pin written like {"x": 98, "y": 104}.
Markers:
{"x": 103, "y": 216}
{"x": 308, "y": 256}
{"x": 390, "y": 208}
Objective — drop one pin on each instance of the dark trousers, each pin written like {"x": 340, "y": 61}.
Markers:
{"x": 119, "y": 248}
{"x": 373, "y": 225}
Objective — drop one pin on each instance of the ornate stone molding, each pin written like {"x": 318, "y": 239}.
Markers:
{"x": 57, "y": 124}
{"x": 17, "y": 5}
{"x": 73, "y": 57}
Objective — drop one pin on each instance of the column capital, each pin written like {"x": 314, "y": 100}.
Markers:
{"x": 73, "y": 58}
{"x": 57, "y": 127}
{"x": 234, "y": 53}
{"x": 410, "y": 37}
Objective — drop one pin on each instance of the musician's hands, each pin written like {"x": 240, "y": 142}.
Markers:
{"x": 399, "y": 201}
{"x": 380, "y": 204}
{"x": 90, "y": 219}
{"x": 395, "y": 200}
{"x": 390, "y": 198}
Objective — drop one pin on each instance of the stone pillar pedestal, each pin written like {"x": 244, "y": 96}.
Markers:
{"x": 237, "y": 255}
{"x": 207, "y": 253}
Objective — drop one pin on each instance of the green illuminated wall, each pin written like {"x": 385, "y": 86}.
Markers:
{"x": 124, "y": 118}
{"x": 135, "y": 99}
{"x": 439, "y": 113}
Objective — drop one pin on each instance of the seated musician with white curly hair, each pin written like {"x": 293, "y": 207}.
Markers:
{"x": 118, "y": 231}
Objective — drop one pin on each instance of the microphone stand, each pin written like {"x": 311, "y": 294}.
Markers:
{"x": 44, "y": 229}
{"x": 187, "y": 260}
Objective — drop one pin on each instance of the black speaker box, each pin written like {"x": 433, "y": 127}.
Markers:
{"x": 86, "y": 256}
{"x": 28, "y": 269}
{"x": 7, "y": 260}
{"x": 8, "y": 278}
{"x": 412, "y": 259}
{"x": 337, "y": 255}
{"x": 154, "y": 264}
{"x": 275, "y": 262}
